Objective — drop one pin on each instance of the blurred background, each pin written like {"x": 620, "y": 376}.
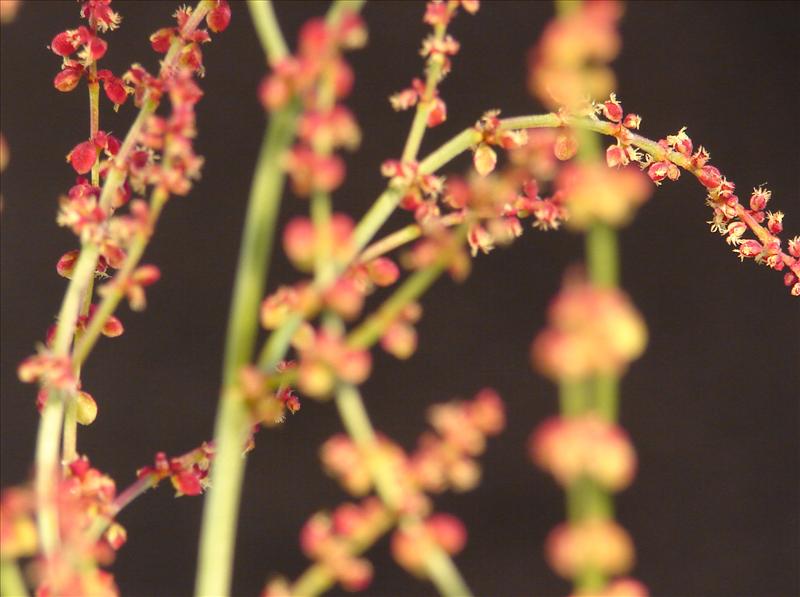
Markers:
{"x": 712, "y": 406}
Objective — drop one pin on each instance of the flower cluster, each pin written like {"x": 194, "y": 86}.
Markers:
{"x": 267, "y": 406}
{"x": 730, "y": 218}
{"x": 85, "y": 497}
{"x": 571, "y": 448}
{"x": 316, "y": 77}
{"x": 444, "y": 459}
{"x": 437, "y": 49}
{"x": 188, "y": 473}
{"x": 591, "y": 331}
{"x": 570, "y": 60}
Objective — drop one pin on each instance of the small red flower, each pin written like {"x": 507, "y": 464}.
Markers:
{"x": 219, "y": 17}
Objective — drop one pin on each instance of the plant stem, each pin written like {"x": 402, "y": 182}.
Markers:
{"x": 88, "y": 338}
{"x": 12, "y": 583}
{"x": 268, "y": 30}
{"x": 442, "y": 571}
{"x": 413, "y": 287}
{"x": 220, "y": 513}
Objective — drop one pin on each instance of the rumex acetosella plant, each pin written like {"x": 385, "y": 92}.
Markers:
{"x": 356, "y": 299}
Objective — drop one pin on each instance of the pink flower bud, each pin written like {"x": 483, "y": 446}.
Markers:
{"x": 775, "y": 222}
{"x": 632, "y": 121}
{"x": 616, "y": 156}
{"x": 219, "y": 17}
{"x": 399, "y": 340}
{"x": 66, "y": 264}
{"x": 116, "y": 536}
{"x": 448, "y": 531}
{"x": 83, "y": 156}
{"x": 383, "y": 271}
{"x": 597, "y": 544}
{"x": 161, "y": 39}
{"x": 709, "y": 177}
{"x": 298, "y": 243}
{"x": 65, "y": 43}
{"x": 612, "y": 109}
{"x": 68, "y": 78}
{"x": 759, "y": 199}
{"x": 438, "y": 113}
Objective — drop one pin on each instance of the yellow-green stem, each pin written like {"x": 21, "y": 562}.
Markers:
{"x": 269, "y": 32}
{"x": 218, "y": 534}
{"x": 88, "y": 338}
{"x": 12, "y": 583}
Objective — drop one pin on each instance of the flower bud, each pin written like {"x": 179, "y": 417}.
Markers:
{"x": 87, "y": 408}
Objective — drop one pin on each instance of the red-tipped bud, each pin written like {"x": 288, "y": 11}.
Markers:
{"x": 68, "y": 78}
{"x": 612, "y": 109}
{"x": 616, "y": 156}
{"x": 82, "y": 157}
{"x": 219, "y": 17}
{"x": 298, "y": 243}
{"x": 710, "y": 177}
{"x": 775, "y": 222}
{"x": 759, "y": 199}
{"x": 161, "y": 39}
{"x": 632, "y": 121}
{"x": 438, "y": 113}
{"x": 66, "y": 264}
{"x": 383, "y": 271}
{"x": 65, "y": 43}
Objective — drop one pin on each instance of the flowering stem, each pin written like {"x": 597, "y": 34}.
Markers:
{"x": 88, "y": 338}
{"x": 372, "y": 328}
{"x": 317, "y": 578}
{"x": 425, "y": 105}
{"x": 12, "y": 583}
{"x": 442, "y": 571}
{"x": 401, "y": 237}
{"x": 221, "y": 508}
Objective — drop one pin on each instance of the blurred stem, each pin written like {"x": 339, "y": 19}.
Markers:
{"x": 372, "y": 328}
{"x": 12, "y": 583}
{"x": 268, "y": 30}
{"x": 220, "y": 514}
{"x": 441, "y": 570}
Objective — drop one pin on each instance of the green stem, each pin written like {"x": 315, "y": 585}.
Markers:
{"x": 218, "y": 532}
{"x": 12, "y": 583}
{"x": 47, "y": 476}
{"x": 602, "y": 255}
{"x": 268, "y": 30}
{"x": 87, "y": 340}
{"x": 442, "y": 571}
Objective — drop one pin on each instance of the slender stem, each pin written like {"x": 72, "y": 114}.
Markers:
{"x": 317, "y": 578}
{"x": 413, "y": 287}
{"x": 440, "y": 567}
{"x": 69, "y": 437}
{"x": 426, "y": 103}
{"x": 221, "y": 508}
{"x": 602, "y": 255}
{"x": 12, "y": 583}
{"x": 268, "y": 29}
{"x": 87, "y": 340}
{"x": 47, "y": 472}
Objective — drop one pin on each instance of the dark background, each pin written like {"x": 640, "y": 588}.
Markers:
{"x": 712, "y": 405}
